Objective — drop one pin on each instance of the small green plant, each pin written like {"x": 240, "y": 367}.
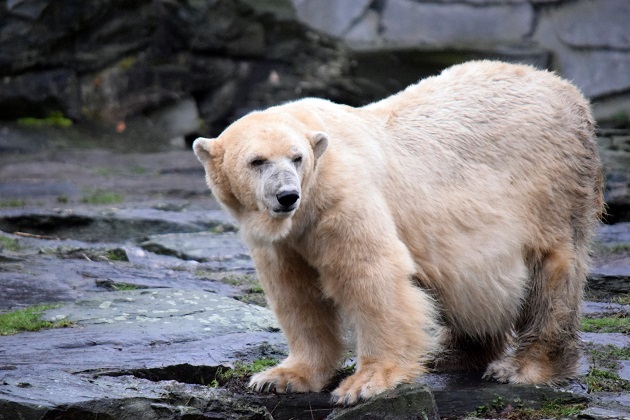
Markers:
{"x": 498, "y": 404}
{"x": 62, "y": 199}
{"x": 54, "y": 119}
{"x": 619, "y": 324}
{"x": 256, "y": 288}
{"x": 103, "y": 197}
{"x": 28, "y": 319}
{"x": 9, "y": 244}
{"x": 480, "y": 411}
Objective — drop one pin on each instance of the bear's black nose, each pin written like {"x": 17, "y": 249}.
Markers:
{"x": 287, "y": 198}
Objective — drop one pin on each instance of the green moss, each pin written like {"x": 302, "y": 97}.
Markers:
{"x": 622, "y": 299}
{"x": 103, "y": 197}
{"x": 607, "y": 353}
{"x": 602, "y": 380}
{"x": 617, "y": 248}
{"x": 218, "y": 229}
{"x": 9, "y": 244}
{"x": 127, "y": 63}
{"x": 62, "y": 199}
{"x": 125, "y": 286}
{"x": 238, "y": 376}
{"x": 621, "y": 119}
{"x": 235, "y": 280}
{"x": 116, "y": 254}
{"x": 555, "y": 409}
{"x": 256, "y": 288}
{"x": 54, "y": 119}
{"x": 514, "y": 410}
{"x": 606, "y": 324}
{"x": 102, "y": 171}
{"x": 12, "y": 203}
{"x": 28, "y": 319}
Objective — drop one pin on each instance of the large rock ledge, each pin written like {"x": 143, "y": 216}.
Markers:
{"x": 152, "y": 353}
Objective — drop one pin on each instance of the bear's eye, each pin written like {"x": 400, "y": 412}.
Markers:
{"x": 297, "y": 159}
{"x": 257, "y": 161}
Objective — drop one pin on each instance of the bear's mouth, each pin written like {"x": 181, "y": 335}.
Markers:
{"x": 284, "y": 211}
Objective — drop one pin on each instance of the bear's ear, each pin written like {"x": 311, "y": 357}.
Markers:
{"x": 319, "y": 142}
{"x": 206, "y": 148}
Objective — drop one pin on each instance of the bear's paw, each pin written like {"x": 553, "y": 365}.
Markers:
{"x": 282, "y": 379}
{"x": 372, "y": 379}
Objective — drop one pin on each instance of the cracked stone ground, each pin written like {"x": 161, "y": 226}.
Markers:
{"x": 162, "y": 295}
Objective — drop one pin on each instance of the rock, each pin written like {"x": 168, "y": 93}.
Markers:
{"x": 27, "y": 9}
{"x": 615, "y": 234}
{"x": 413, "y": 64}
{"x": 222, "y": 251}
{"x": 122, "y": 336}
{"x": 614, "y": 149}
{"x": 111, "y": 225}
{"x": 330, "y": 16}
{"x": 405, "y": 402}
{"x": 460, "y": 394}
{"x": 599, "y": 413}
{"x": 177, "y": 120}
{"x": 604, "y": 308}
{"x": 610, "y": 281}
{"x": 604, "y": 25}
{"x": 615, "y": 339}
{"x": 38, "y": 94}
{"x": 598, "y": 71}
{"x": 612, "y": 111}
{"x": 151, "y": 351}
{"x": 457, "y": 25}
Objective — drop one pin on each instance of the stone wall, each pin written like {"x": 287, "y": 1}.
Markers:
{"x": 586, "y": 41}
{"x": 164, "y": 69}
{"x": 112, "y": 60}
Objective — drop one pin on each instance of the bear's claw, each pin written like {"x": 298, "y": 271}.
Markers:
{"x": 369, "y": 381}
{"x": 282, "y": 379}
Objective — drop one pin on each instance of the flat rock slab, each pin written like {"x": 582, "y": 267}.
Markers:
{"x": 123, "y": 332}
{"x": 111, "y": 225}
{"x": 619, "y": 233}
{"x": 148, "y": 353}
{"x": 223, "y": 251}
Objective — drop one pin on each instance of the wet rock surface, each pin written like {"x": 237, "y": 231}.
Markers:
{"x": 162, "y": 296}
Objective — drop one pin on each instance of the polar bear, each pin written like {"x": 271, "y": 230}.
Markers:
{"x": 449, "y": 223}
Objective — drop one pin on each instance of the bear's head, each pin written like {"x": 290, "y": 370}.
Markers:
{"x": 259, "y": 169}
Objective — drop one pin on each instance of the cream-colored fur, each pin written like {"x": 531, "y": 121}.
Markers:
{"x": 453, "y": 215}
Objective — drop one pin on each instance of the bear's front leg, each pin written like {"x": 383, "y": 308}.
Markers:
{"x": 309, "y": 321}
{"x": 394, "y": 320}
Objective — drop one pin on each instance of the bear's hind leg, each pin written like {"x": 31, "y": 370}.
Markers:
{"x": 469, "y": 354}
{"x": 547, "y": 343}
